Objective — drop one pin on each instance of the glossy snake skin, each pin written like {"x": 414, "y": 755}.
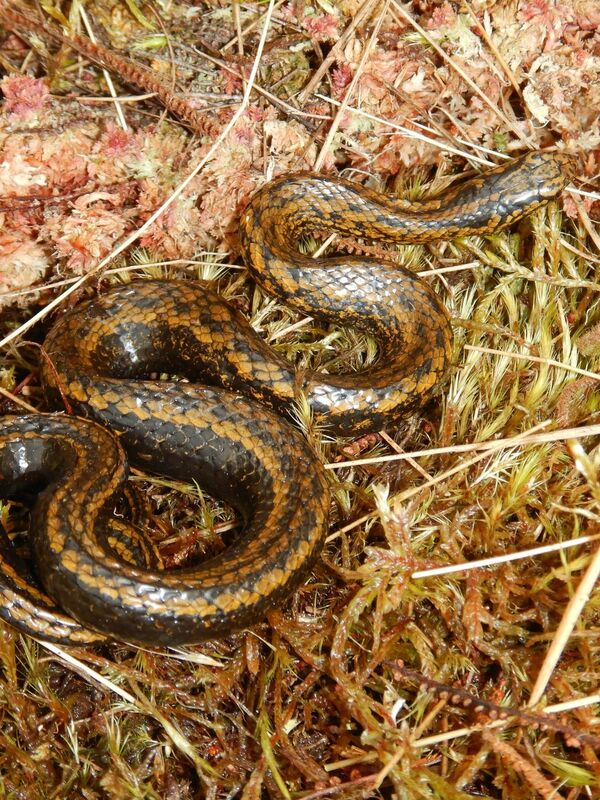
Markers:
{"x": 104, "y": 580}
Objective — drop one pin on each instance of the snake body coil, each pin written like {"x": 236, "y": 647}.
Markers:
{"x": 96, "y": 567}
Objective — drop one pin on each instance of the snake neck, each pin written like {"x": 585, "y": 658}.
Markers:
{"x": 393, "y": 305}
{"x": 292, "y": 206}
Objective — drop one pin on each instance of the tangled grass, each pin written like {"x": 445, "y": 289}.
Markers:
{"x": 446, "y": 644}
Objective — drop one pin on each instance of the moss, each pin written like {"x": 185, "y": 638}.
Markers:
{"x": 313, "y": 701}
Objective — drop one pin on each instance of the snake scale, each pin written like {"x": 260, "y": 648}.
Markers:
{"x": 96, "y": 576}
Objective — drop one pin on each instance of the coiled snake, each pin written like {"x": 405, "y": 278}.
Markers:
{"x": 99, "y": 576}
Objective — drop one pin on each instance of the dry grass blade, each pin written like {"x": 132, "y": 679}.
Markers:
{"x": 495, "y": 50}
{"x": 333, "y": 128}
{"x": 441, "y": 145}
{"x": 526, "y": 438}
{"x": 536, "y": 359}
{"x": 491, "y": 561}
{"x": 106, "y": 73}
{"x": 135, "y": 235}
{"x": 362, "y": 15}
{"x": 569, "y": 620}
{"x": 140, "y": 703}
{"x": 508, "y": 122}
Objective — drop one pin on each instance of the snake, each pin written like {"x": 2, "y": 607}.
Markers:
{"x": 222, "y": 423}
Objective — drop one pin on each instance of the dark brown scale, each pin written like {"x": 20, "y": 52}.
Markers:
{"x": 100, "y": 570}
{"x": 242, "y": 452}
{"x": 390, "y": 303}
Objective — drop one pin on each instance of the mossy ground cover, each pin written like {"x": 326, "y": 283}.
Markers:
{"x": 459, "y": 573}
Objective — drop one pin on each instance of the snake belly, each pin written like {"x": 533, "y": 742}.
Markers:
{"x": 101, "y": 353}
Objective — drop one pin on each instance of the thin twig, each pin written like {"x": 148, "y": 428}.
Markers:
{"x": 461, "y": 698}
{"x": 17, "y": 400}
{"x": 492, "y": 561}
{"x": 350, "y": 91}
{"x": 105, "y": 72}
{"x": 447, "y": 148}
{"x": 414, "y": 464}
{"x": 363, "y": 13}
{"x": 487, "y": 100}
{"x": 447, "y": 736}
{"x": 464, "y": 465}
{"x": 527, "y": 438}
{"x": 496, "y": 52}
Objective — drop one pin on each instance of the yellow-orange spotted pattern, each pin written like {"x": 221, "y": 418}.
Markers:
{"x": 224, "y": 427}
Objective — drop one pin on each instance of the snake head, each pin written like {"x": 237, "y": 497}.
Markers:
{"x": 552, "y": 171}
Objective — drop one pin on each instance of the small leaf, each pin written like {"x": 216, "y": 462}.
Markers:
{"x": 137, "y": 13}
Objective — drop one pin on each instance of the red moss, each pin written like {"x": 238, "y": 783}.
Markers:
{"x": 24, "y": 95}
